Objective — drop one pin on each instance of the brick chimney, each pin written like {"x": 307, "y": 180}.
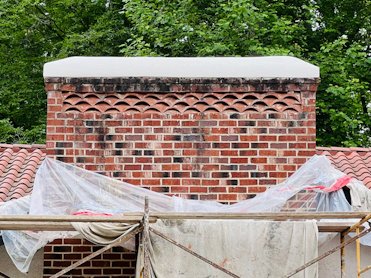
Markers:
{"x": 205, "y": 128}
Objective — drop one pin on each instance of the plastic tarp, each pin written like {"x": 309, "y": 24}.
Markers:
{"x": 246, "y": 248}
{"x": 63, "y": 189}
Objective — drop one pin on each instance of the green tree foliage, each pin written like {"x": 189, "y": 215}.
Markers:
{"x": 343, "y": 52}
{"x": 333, "y": 34}
{"x": 210, "y": 27}
{"x": 35, "y": 32}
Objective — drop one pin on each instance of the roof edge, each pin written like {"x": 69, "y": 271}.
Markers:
{"x": 23, "y": 146}
{"x": 343, "y": 149}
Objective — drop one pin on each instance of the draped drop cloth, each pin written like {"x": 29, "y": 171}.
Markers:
{"x": 103, "y": 233}
{"x": 247, "y": 248}
{"x": 64, "y": 189}
{"x": 360, "y": 196}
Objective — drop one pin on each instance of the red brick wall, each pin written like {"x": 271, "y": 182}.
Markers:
{"x": 61, "y": 253}
{"x": 220, "y": 139}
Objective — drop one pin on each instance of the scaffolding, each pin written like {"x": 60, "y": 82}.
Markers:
{"x": 63, "y": 223}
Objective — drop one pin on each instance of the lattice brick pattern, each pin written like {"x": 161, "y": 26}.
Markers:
{"x": 175, "y": 103}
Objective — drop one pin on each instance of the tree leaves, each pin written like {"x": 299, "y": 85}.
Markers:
{"x": 332, "y": 34}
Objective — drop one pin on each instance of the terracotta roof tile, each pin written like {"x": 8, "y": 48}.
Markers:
{"x": 355, "y": 162}
{"x": 18, "y": 166}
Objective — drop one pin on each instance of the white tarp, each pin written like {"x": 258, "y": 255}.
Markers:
{"x": 246, "y": 248}
{"x": 63, "y": 189}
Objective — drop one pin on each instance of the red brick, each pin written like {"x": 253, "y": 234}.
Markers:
{"x": 82, "y": 248}
{"x": 219, "y": 130}
{"x": 308, "y": 153}
{"x": 72, "y": 256}
{"x": 232, "y": 197}
{"x": 121, "y": 264}
{"x": 55, "y": 137}
{"x": 217, "y": 189}
{"x": 256, "y": 189}
{"x": 267, "y": 153}
{"x": 248, "y": 153}
{"x": 248, "y": 182}
{"x": 111, "y": 271}
{"x": 307, "y": 138}
{"x": 209, "y": 182}
{"x": 210, "y": 167}
{"x": 257, "y": 116}
{"x": 229, "y": 152}
{"x": 171, "y": 182}
{"x": 102, "y": 263}
{"x": 198, "y": 189}
{"x": 151, "y": 181}
{"x": 92, "y": 270}
{"x": 297, "y": 130}
{"x": 212, "y": 138}
{"x": 227, "y": 123}
{"x": 269, "y": 138}
{"x": 179, "y": 189}
{"x": 237, "y": 189}
{"x": 277, "y": 130}
{"x": 297, "y": 146}
{"x": 287, "y": 138}
{"x": 195, "y": 155}
{"x": 240, "y": 174}
{"x": 62, "y": 264}
{"x": 68, "y": 87}
{"x": 53, "y": 108}
{"x": 190, "y": 182}
{"x": 267, "y": 168}
{"x": 238, "y": 160}
{"x": 289, "y": 153}
{"x": 258, "y": 160}
{"x": 278, "y": 174}
{"x": 278, "y": 145}
{"x": 208, "y": 196}
{"x": 189, "y": 123}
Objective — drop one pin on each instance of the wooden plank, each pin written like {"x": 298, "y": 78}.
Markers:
{"x": 131, "y": 218}
{"x": 358, "y": 254}
{"x": 261, "y": 216}
{"x": 342, "y": 256}
{"x": 36, "y": 226}
{"x": 146, "y": 241}
{"x": 367, "y": 268}
{"x": 123, "y": 218}
{"x": 329, "y": 227}
{"x": 357, "y": 225}
{"x": 334, "y": 227}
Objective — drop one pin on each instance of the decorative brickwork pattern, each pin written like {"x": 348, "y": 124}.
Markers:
{"x": 201, "y": 139}
{"x": 182, "y": 103}
{"x": 61, "y": 253}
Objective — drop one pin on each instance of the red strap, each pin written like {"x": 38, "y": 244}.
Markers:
{"x": 91, "y": 213}
{"x": 340, "y": 183}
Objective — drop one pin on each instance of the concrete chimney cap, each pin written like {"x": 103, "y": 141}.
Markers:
{"x": 266, "y": 67}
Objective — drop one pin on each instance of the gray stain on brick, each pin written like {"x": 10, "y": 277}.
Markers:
{"x": 192, "y": 138}
{"x": 149, "y": 152}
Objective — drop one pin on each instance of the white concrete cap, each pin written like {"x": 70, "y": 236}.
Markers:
{"x": 197, "y": 67}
